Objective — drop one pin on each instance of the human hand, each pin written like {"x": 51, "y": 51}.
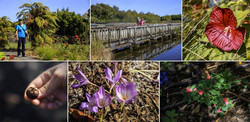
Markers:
{"x": 17, "y": 38}
{"x": 52, "y": 87}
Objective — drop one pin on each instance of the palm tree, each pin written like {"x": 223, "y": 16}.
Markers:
{"x": 40, "y": 21}
{"x": 5, "y": 30}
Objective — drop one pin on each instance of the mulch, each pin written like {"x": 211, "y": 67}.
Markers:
{"x": 145, "y": 106}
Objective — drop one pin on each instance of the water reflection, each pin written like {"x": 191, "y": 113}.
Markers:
{"x": 155, "y": 51}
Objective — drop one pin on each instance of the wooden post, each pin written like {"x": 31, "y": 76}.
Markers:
{"x": 135, "y": 35}
{"x": 109, "y": 37}
{"x": 141, "y": 33}
{"x": 119, "y": 36}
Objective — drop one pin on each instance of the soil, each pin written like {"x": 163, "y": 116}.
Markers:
{"x": 145, "y": 106}
{"x": 181, "y": 75}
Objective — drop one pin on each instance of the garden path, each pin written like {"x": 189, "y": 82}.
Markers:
{"x": 8, "y": 53}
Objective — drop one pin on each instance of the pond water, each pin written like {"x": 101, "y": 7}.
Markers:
{"x": 172, "y": 54}
{"x": 160, "y": 50}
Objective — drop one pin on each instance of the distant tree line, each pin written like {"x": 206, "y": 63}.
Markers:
{"x": 103, "y": 13}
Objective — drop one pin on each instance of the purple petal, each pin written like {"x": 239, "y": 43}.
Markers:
{"x": 117, "y": 76}
{"x": 101, "y": 92}
{"x": 75, "y": 86}
{"x": 78, "y": 77}
{"x": 129, "y": 101}
{"x": 123, "y": 80}
{"x": 108, "y": 73}
{"x": 81, "y": 73}
{"x": 84, "y": 105}
{"x": 88, "y": 97}
{"x": 126, "y": 93}
{"x": 94, "y": 109}
{"x": 105, "y": 101}
{"x": 91, "y": 99}
{"x": 108, "y": 100}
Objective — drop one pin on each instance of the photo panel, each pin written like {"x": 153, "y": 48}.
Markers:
{"x": 136, "y": 30}
{"x": 33, "y": 91}
{"x": 113, "y": 91}
{"x": 204, "y": 91}
{"x": 45, "y": 30}
{"x": 216, "y": 30}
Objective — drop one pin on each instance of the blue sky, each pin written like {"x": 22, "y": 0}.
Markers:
{"x": 160, "y": 7}
{"x": 11, "y": 7}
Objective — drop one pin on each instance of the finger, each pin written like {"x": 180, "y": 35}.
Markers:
{"x": 61, "y": 95}
{"x": 36, "y": 102}
{"x": 59, "y": 103}
{"x": 51, "y": 98}
{"x": 43, "y": 104}
{"x": 52, "y": 106}
{"x": 54, "y": 83}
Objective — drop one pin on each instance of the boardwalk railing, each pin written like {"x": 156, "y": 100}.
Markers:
{"x": 117, "y": 37}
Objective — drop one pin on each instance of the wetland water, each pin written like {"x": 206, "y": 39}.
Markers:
{"x": 160, "y": 50}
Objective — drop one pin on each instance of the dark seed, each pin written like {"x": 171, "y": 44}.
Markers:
{"x": 32, "y": 93}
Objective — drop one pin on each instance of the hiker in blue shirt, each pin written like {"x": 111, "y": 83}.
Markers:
{"x": 21, "y": 34}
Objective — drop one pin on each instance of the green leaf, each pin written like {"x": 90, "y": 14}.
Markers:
{"x": 213, "y": 92}
{"x": 240, "y": 16}
{"x": 204, "y": 38}
{"x": 222, "y": 114}
{"x": 221, "y": 80}
{"x": 223, "y": 5}
{"x": 231, "y": 3}
{"x": 247, "y": 40}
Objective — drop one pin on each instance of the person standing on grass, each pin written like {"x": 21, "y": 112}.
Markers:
{"x": 21, "y": 34}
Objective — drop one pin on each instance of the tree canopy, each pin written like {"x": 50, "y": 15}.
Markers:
{"x": 103, "y": 13}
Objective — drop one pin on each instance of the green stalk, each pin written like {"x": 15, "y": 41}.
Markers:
{"x": 102, "y": 115}
{"x": 122, "y": 106}
{"x": 106, "y": 111}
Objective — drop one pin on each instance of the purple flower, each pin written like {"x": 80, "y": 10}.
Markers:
{"x": 82, "y": 78}
{"x": 113, "y": 80}
{"x": 115, "y": 65}
{"x": 126, "y": 92}
{"x": 102, "y": 100}
{"x": 91, "y": 104}
{"x": 123, "y": 80}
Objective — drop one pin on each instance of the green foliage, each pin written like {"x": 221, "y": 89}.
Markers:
{"x": 103, "y": 13}
{"x": 2, "y": 56}
{"x": 40, "y": 21}
{"x": 6, "y": 30}
{"x": 99, "y": 51}
{"x": 72, "y": 24}
{"x": 63, "y": 52}
{"x": 213, "y": 88}
{"x": 196, "y": 46}
{"x": 170, "y": 116}
{"x": 171, "y": 18}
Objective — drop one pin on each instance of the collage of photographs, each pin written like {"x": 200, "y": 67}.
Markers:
{"x": 124, "y": 61}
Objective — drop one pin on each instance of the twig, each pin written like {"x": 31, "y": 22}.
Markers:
{"x": 144, "y": 74}
{"x": 243, "y": 98}
{"x": 171, "y": 106}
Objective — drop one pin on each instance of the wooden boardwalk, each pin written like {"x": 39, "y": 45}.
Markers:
{"x": 116, "y": 37}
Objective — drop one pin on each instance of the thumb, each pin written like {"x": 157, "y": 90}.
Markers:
{"x": 50, "y": 86}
